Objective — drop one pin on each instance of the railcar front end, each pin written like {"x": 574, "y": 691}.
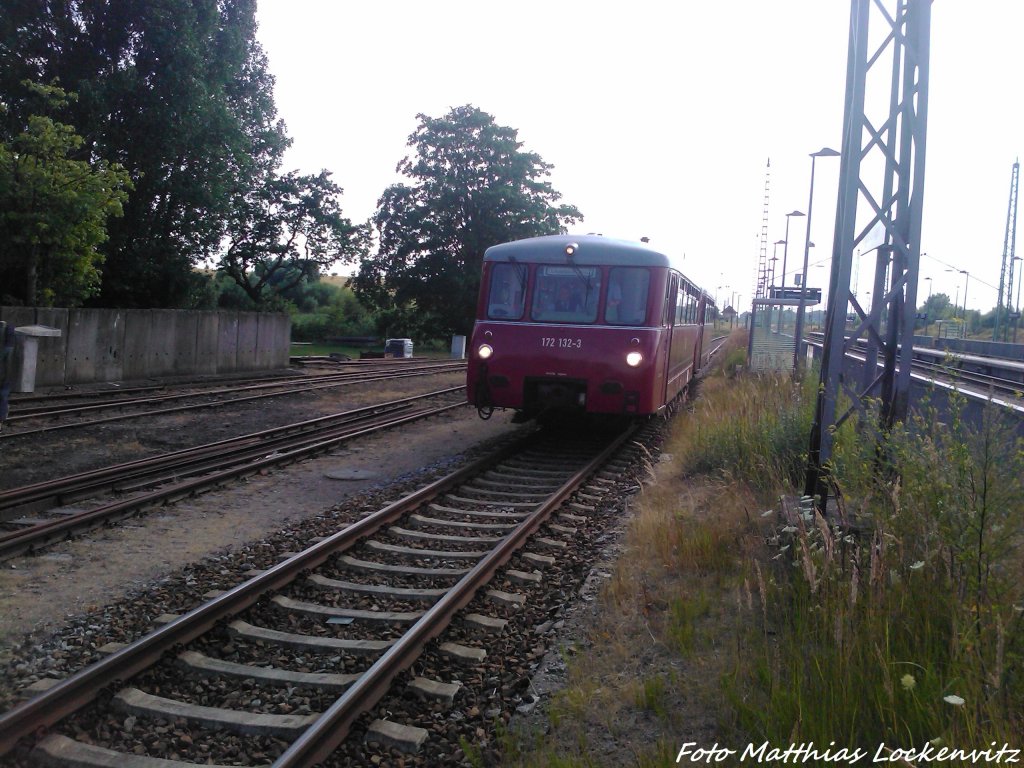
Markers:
{"x": 565, "y": 368}
{"x": 570, "y": 324}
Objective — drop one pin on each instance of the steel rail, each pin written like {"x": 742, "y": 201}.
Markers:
{"x": 74, "y": 692}
{"x": 308, "y": 384}
{"x": 87, "y": 394}
{"x": 216, "y": 404}
{"x": 113, "y": 389}
{"x": 330, "y": 730}
{"x": 43, "y": 534}
{"x": 133, "y": 392}
{"x": 104, "y": 477}
{"x": 953, "y": 377}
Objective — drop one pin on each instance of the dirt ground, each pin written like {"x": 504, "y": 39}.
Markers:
{"x": 39, "y": 593}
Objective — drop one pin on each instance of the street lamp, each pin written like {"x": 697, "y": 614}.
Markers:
{"x": 785, "y": 254}
{"x": 967, "y": 282}
{"x": 775, "y": 257}
{"x": 1016, "y": 306}
{"x": 823, "y": 152}
{"x": 927, "y": 307}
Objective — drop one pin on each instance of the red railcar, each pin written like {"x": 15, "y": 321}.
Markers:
{"x": 583, "y": 324}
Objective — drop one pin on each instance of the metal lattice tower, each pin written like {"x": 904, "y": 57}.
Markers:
{"x": 881, "y": 190}
{"x": 1004, "y": 307}
{"x": 761, "y": 280}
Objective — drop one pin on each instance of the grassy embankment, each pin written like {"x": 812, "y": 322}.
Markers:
{"x": 723, "y": 624}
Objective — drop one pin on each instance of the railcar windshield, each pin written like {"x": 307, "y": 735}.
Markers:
{"x": 566, "y": 294}
{"x": 627, "y": 296}
{"x": 507, "y": 292}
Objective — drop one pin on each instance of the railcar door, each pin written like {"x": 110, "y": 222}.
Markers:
{"x": 669, "y": 322}
{"x": 698, "y": 344}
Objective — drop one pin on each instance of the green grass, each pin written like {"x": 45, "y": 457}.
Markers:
{"x": 908, "y": 628}
{"x": 903, "y": 628}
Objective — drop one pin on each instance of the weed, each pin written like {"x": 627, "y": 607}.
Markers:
{"x": 651, "y": 695}
{"x": 681, "y": 623}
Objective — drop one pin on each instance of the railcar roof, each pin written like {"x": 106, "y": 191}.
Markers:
{"x": 592, "y": 249}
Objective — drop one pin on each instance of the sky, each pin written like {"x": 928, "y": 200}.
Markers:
{"x": 660, "y": 117}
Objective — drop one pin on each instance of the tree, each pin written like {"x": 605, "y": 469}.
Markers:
{"x": 472, "y": 186}
{"x": 938, "y": 306}
{"x": 177, "y": 92}
{"x": 285, "y": 231}
{"x": 53, "y": 209}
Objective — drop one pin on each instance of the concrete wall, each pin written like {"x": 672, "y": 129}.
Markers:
{"x": 94, "y": 343}
{"x": 131, "y": 344}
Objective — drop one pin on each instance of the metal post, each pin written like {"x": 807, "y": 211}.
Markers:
{"x": 785, "y": 252}
{"x": 798, "y": 334}
{"x": 895, "y": 207}
{"x": 967, "y": 281}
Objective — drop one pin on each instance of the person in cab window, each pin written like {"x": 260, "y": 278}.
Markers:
{"x": 566, "y": 301}
{"x": 614, "y": 302}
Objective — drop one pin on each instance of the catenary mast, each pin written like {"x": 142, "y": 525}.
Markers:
{"x": 1004, "y": 307}
{"x": 881, "y": 187}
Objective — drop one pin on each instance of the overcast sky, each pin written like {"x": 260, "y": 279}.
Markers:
{"x": 659, "y": 117}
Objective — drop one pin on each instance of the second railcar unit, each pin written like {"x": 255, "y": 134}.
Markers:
{"x": 583, "y": 324}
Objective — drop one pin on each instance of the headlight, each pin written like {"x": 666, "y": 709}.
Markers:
{"x": 484, "y": 351}
{"x": 633, "y": 359}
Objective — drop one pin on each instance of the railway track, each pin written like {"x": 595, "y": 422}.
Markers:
{"x": 350, "y": 614}
{"x": 954, "y": 369}
{"x": 977, "y": 381}
{"x": 147, "y": 405}
{"x": 159, "y": 479}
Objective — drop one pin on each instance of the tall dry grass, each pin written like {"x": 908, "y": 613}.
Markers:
{"x": 905, "y": 627}
{"x": 899, "y": 625}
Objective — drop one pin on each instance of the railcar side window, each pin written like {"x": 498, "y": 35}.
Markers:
{"x": 627, "y": 296}
{"x": 508, "y": 291}
{"x": 566, "y": 294}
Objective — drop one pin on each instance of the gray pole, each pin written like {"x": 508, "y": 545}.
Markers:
{"x": 967, "y": 281}
{"x": 823, "y": 152}
{"x": 785, "y": 252}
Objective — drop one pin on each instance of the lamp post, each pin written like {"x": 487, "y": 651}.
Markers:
{"x": 775, "y": 257}
{"x": 956, "y": 301}
{"x": 967, "y": 281}
{"x": 1016, "y": 310}
{"x": 927, "y": 307}
{"x": 798, "y": 334}
{"x": 785, "y": 254}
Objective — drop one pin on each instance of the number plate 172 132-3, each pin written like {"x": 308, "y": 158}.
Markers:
{"x": 561, "y": 343}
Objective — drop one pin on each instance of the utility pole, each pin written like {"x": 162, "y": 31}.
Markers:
{"x": 893, "y": 141}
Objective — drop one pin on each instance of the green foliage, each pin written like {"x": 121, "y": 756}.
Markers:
{"x": 652, "y": 695}
{"x": 909, "y": 627}
{"x": 681, "y": 622}
{"x": 340, "y": 314}
{"x": 53, "y": 208}
{"x": 755, "y": 432}
{"x": 734, "y": 361}
{"x": 472, "y": 186}
{"x": 284, "y": 231}
{"x": 938, "y": 306}
{"x": 178, "y": 93}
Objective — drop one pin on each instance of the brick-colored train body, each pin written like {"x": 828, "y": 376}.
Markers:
{"x": 583, "y": 324}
